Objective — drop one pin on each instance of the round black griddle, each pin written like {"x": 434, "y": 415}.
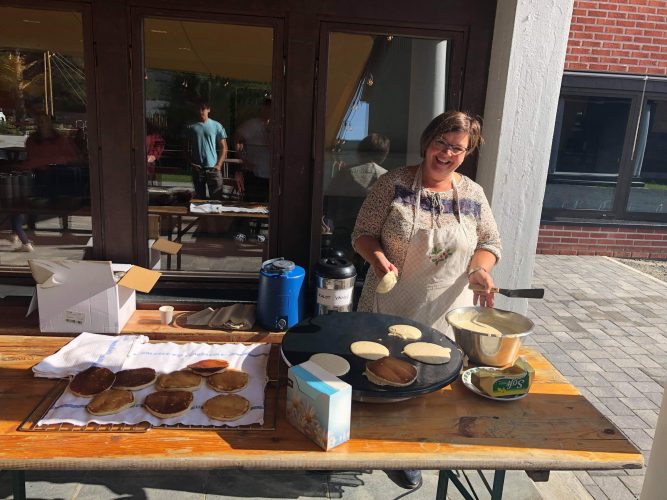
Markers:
{"x": 333, "y": 333}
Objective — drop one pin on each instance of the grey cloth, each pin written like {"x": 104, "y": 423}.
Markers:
{"x": 235, "y": 317}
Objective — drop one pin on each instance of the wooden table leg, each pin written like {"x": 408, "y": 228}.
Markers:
{"x": 18, "y": 484}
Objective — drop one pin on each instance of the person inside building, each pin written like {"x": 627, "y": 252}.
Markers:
{"x": 154, "y": 148}
{"x": 433, "y": 228}
{"x": 46, "y": 150}
{"x": 203, "y": 139}
{"x": 349, "y": 187}
{"x": 254, "y": 146}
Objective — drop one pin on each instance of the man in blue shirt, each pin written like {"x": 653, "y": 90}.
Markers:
{"x": 202, "y": 140}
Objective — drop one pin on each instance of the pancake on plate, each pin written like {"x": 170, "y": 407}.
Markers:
{"x": 228, "y": 381}
{"x": 391, "y": 371}
{"x": 207, "y": 367}
{"x": 167, "y": 404}
{"x": 369, "y": 350}
{"x": 134, "y": 379}
{"x": 406, "y": 332}
{"x": 110, "y": 402}
{"x": 226, "y": 407}
{"x": 91, "y": 381}
{"x": 427, "y": 352}
{"x": 182, "y": 380}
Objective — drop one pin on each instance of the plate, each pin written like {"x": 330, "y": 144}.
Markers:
{"x": 466, "y": 377}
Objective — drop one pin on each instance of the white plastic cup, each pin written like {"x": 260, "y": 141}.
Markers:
{"x": 166, "y": 314}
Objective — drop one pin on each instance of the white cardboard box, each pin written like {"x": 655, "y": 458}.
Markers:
{"x": 77, "y": 296}
{"x": 319, "y": 404}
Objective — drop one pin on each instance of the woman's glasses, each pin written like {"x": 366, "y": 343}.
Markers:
{"x": 443, "y": 145}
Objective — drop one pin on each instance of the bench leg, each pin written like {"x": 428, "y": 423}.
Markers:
{"x": 18, "y": 484}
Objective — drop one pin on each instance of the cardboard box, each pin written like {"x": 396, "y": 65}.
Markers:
{"x": 319, "y": 404}
{"x": 92, "y": 296}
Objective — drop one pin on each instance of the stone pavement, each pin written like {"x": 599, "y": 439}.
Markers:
{"x": 604, "y": 326}
{"x": 601, "y": 323}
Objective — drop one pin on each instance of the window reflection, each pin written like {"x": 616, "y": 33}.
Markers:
{"x": 648, "y": 192}
{"x": 587, "y": 150}
{"x": 44, "y": 179}
{"x": 208, "y": 143}
{"x": 381, "y": 89}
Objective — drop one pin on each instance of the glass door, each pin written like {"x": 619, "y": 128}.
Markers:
{"x": 381, "y": 90}
{"x": 210, "y": 143}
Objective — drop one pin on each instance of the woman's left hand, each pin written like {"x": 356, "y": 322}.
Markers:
{"x": 484, "y": 280}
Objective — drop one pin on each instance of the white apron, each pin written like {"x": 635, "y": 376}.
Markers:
{"x": 433, "y": 280}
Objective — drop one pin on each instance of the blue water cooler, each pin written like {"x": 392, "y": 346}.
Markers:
{"x": 280, "y": 300}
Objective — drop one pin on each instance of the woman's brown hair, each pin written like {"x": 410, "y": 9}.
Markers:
{"x": 452, "y": 121}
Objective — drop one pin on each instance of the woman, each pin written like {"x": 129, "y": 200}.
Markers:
{"x": 450, "y": 242}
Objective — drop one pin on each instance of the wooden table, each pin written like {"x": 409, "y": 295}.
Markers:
{"x": 554, "y": 428}
{"x": 178, "y": 212}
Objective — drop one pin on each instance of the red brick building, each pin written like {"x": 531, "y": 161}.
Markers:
{"x": 607, "y": 185}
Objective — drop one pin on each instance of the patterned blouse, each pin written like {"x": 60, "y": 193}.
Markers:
{"x": 388, "y": 212}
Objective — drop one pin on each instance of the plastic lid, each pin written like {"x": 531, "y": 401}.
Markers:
{"x": 278, "y": 266}
{"x": 335, "y": 267}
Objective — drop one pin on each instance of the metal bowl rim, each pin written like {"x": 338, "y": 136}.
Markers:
{"x": 476, "y": 308}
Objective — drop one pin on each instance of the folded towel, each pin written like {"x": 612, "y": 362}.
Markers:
{"x": 234, "y": 317}
{"x": 85, "y": 350}
{"x": 200, "y": 318}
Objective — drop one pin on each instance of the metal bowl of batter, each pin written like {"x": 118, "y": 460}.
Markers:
{"x": 489, "y": 337}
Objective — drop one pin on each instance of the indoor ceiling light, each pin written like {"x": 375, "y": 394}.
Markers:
{"x": 185, "y": 48}
{"x": 32, "y": 21}
{"x": 164, "y": 32}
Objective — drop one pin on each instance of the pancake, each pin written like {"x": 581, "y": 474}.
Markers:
{"x": 226, "y": 407}
{"x": 228, "y": 381}
{"x": 406, "y": 332}
{"x": 336, "y": 365}
{"x": 91, "y": 381}
{"x": 207, "y": 367}
{"x": 387, "y": 282}
{"x": 390, "y": 371}
{"x": 176, "y": 381}
{"x": 167, "y": 404}
{"x": 369, "y": 350}
{"x": 110, "y": 402}
{"x": 134, "y": 379}
{"x": 426, "y": 352}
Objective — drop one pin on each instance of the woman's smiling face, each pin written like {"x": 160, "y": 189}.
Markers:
{"x": 444, "y": 155}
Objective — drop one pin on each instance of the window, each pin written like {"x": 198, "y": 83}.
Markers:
{"x": 209, "y": 143}
{"x": 44, "y": 174}
{"x": 589, "y": 146}
{"x": 609, "y": 149}
{"x": 375, "y": 113}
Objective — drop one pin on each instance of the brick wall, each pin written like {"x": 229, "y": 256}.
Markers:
{"x": 610, "y": 241}
{"x": 618, "y": 36}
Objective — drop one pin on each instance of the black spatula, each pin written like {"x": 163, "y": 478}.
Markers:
{"x": 524, "y": 293}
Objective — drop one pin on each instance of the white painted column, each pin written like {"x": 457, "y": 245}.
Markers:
{"x": 527, "y": 58}
{"x": 428, "y": 82}
{"x": 655, "y": 480}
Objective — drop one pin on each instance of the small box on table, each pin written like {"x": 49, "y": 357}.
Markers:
{"x": 93, "y": 296}
{"x": 319, "y": 404}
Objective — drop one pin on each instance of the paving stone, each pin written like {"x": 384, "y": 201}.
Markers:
{"x": 625, "y": 422}
{"x": 634, "y": 484}
{"x": 613, "y": 488}
{"x": 617, "y": 407}
{"x": 640, "y": 438}
{"x": 595, "y": 491}
{"x": 640, "y": 403}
